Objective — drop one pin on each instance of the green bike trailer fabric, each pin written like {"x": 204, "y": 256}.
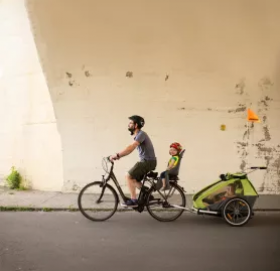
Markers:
{"x": 216, "y": 194}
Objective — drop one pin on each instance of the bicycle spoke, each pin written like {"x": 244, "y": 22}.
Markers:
{"x": 237, "y": 212}
{"x": 163, "y": 209}
{"x": 97, "y": 203}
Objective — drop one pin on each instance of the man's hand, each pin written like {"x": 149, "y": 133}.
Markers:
{"x": 114, "y": 157}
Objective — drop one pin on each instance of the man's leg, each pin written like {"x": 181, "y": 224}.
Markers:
{"x": 134, "y": 177}
{"x": 136, "y": 172}
{"x": 132, "y": 184}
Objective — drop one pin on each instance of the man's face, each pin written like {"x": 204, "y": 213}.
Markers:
{"x": 131, "y": 127}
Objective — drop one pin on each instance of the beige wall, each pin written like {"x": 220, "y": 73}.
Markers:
{"x": 29, "y": 138}
{"x": 221, "y": 57}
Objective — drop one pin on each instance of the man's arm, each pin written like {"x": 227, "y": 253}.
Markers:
{"x": 129, "y": 149}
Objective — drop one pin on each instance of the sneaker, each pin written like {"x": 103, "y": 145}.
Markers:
{"x": 130, "y": 203}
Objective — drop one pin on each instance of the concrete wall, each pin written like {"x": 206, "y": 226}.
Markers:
{"x": 195, "y": 65}
{"x": 29, "y": 138}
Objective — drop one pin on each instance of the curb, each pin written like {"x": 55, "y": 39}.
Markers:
{"x": 57, "y": 209}
{"x": 52, "y": 209}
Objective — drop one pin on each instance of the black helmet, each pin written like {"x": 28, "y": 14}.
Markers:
{"x": 139, "y": 120}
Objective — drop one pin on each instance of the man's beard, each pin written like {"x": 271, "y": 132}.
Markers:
{"x": 131, "y": 130}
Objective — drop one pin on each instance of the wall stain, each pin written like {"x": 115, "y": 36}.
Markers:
{"x": 265, "y": 150}
{"x": 242, "y": 151}
{"x": 241, "y": 108}
{"x": 71, "y": 185}
{"x": 166, "y": 77}
{"x": 68, "y": 74}
{"x": 242, "y": 146}
{"x": 246, "y": 134}
{"x": 265, "y": 84}
{"x": 129, "y": 74}
{"x": 71, "y": 82}
{"x": 264, "y": 102}
{"x": 87, "y": 74}
{"x": 75, "y": 187}
{"x": 276, "y": 166}
{"x": 266, "y": 133}
{"x": 243, "y": 165}
{"x": 240, "y": 86}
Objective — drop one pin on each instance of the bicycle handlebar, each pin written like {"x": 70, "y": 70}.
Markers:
{"x": 108, "y": 158}
{"x": 258, "y": 168}
{"x": 255, "y": 168}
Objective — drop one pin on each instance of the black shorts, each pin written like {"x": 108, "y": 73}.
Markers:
{"x": 141, "y": 168}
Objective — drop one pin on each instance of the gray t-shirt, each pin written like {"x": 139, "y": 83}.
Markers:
{"x": 146, "y": 148}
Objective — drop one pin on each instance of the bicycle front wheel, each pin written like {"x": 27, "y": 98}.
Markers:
{"x": 98, "y": 203}
{"x": 166, "y": 206}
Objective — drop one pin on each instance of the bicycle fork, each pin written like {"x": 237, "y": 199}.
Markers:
{"x": 103, "y": 185}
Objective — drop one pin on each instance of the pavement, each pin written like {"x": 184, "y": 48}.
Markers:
{"x": 12, "y": 199}
{"x": 66, "y": 241}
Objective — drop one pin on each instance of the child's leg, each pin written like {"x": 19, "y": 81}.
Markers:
{"x": 166, "y": 180}
{"x": 163, "y": 183}
{"x": 162, "y": 179}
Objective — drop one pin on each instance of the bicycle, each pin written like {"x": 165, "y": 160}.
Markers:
{"x": 148, "y": 197}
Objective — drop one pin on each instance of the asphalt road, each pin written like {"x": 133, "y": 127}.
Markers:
{"x": 131, "y": 241}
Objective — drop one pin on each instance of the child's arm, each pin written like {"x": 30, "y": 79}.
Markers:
{"x": 171, "y": 164}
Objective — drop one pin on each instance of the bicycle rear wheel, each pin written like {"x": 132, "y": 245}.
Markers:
{"x": 160, "y": 206}
{"x": 98, "y": 203}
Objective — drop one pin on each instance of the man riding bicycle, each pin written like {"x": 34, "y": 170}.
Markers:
{"x": 147, "y": 157}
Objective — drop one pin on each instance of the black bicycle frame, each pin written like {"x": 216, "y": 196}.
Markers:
{"x": 114, "y": 178}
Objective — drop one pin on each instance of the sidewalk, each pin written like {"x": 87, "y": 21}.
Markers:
{"x": 38, "y": 200}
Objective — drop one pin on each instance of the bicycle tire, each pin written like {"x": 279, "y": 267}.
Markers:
{"x": 174, "y": 218}
{"x": 232, "y": 223}
{"x": 116, "y": 198}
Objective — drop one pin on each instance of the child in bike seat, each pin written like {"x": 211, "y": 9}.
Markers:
{"x": 175, "y": 149}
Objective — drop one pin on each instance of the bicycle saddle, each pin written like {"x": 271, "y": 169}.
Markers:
{"x": 152, "y": 174}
